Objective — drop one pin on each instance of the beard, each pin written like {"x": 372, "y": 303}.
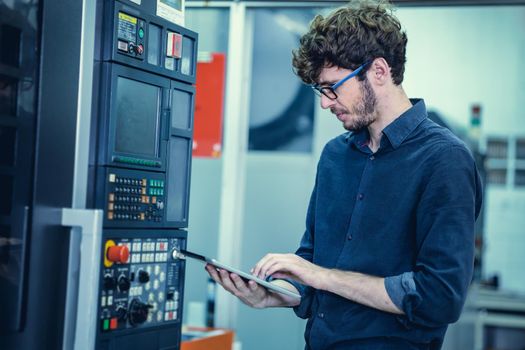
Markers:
{"x": 364, "y": 112}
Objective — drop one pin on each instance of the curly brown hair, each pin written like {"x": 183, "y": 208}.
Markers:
{"x": 350, "y": 36}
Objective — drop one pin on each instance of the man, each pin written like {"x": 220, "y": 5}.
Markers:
{"x": 387, "y": 255}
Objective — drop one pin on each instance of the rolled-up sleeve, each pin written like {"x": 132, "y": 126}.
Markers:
{"x": 446, "y": 213}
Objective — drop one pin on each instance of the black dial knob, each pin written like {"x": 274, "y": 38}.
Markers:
{"x": 109, "y": 282}
{"x": 123, "y": 283}
{"x": 143, "y": 276}
{"x": 122, "y": 313}
{"x": 138, "y": 312}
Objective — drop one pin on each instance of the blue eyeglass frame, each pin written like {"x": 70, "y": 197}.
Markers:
{"x": 328, "y": 90}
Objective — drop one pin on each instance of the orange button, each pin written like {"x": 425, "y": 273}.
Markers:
{"x": 118, "y": 254}
{"x": 113, "y": 323}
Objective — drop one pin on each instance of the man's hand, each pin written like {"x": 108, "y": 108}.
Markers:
{"x": 290, "y": 266}
{"x": 249, "y": 292}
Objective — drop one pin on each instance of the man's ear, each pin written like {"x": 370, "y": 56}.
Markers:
{"x": 379, "y": 72}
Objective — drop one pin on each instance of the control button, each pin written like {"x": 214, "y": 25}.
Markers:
{"x": 123, "y": 283}
{"x": 174, "y": 45}
{"x": 143, "y": 276}
{"x": 103, "y": 301}
{"x": 118, "y": 253}
{"x": 109, "y": 282}
{"x": 140, "y": 49}
{"x": 113, "y": 323}
{"x": 105, "y": 324}
{"x": 160, "y": 205}
{"x": 110, "y": 300}
{"x": 122, "y": 313}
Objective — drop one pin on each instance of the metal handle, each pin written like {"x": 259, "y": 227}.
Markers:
{"x": 83, "y": 277}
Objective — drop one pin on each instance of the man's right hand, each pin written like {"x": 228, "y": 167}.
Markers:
{"x": 249, "y": 292}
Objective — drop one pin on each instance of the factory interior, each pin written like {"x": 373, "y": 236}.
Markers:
{"x": 96, "y": 200}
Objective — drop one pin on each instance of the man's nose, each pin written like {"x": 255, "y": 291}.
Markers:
{"x": 326, "y": 102}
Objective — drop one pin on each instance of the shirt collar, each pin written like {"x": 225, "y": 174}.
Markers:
{"x": 398, "y": 130}
{"x": 401, "y": 127}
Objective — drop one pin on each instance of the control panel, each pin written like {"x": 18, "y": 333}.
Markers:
{"x": 133, "y": 197}
{"x": 141, "y": 283}
{"x": 130, "y": 35}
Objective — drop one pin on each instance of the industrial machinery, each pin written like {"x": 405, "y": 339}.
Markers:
{"x": 96, "y": 129}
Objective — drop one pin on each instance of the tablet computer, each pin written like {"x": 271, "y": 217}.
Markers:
{"x": 182, "y": 254}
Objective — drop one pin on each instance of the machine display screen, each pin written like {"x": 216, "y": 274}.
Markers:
{"x": 137, "y": 119}
{"x": 174, "y": 4}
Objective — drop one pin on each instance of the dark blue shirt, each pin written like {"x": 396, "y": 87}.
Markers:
{"x": 406, "y": 213}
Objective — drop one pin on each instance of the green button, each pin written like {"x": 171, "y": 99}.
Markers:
{"x": 106, "y": 325}
{"x": 151, "y": 182}
{"x": 141, "y": 33}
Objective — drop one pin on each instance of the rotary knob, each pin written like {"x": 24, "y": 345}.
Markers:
{"x": 118, "y": 254}
{"x": 122, "y": 313}
{"x": 143, "y": 276}
{"x": 138, "y": 312}
{"x": 123, "y": 283}
{"x": 109, "y": 282}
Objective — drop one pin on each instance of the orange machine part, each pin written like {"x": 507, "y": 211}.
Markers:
{"x": 222, "y": 341}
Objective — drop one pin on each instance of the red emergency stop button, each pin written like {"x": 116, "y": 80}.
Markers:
{"x": 118, "y": 254}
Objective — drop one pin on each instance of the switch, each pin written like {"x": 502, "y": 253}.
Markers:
{"x": 109, "y": 282}
{"x": 174, "y": 45}
{"x": 123, "y": 283}
{"x": 113, "y": 323}
{"x": 143, "y": 276}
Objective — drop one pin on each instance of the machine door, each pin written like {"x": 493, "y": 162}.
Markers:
{"x": 39, "y": 90}
{"x": 18, "y": 87}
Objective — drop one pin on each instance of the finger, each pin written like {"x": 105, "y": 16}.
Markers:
{"x": 212, "y": 271}
{"x": 265, "y": 264}
{"x": 253, "y": 285}
{"x": 240, "y": 284}
{"x": 227, "y": 283}
{"x": 257, "y": 268}
{"x": 276, "y": 263}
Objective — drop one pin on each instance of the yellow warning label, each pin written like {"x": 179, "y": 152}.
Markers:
{"x": 128, "y": 18}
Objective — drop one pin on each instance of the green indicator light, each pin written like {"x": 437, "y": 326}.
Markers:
{"x": 151, "y": 182}
{"x": 141, "y": 33}
{"x": 106, "y": 325}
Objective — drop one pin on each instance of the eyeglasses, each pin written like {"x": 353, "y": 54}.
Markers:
{"x": 329, "y": 91}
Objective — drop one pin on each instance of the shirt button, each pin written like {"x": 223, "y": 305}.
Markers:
{"x": 372, "y": 157}
{"x": 360, "y": 196}
{"x": 349, "y": 237}
{"x": 321, "y": 315}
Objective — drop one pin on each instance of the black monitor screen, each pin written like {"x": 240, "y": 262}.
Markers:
{"x": 138, "y": 109}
